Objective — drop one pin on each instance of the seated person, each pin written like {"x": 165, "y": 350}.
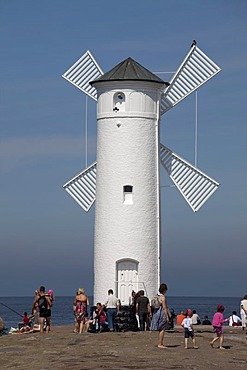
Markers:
{"x": 206, "y": 321}
{"x": 234, "y": 320}
{"x": 180, "y": 317}
{"x": 195, "y": 318}
{"x": 97, "y": 319}
{"x": 25, "y": 321}
{"x": 1, "y": 324}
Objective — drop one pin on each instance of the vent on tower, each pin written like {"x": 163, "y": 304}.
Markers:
{"x": 119, "y": 102}
{"x": 128, "y": 194}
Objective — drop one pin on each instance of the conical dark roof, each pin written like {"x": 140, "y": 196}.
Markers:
{"x": 129, "y": 70}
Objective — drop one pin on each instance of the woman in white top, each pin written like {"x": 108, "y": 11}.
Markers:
{"x": 243, "y": 311}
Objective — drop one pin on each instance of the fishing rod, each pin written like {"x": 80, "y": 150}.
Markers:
{"x": 11, "y": 309}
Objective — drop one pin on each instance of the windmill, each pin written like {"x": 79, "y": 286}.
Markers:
{"x": 130, "y": 101}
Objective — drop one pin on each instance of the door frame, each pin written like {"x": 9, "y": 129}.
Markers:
{"x": 117, "y": 282}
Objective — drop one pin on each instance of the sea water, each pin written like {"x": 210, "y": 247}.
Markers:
{"x": 62, "y": 310}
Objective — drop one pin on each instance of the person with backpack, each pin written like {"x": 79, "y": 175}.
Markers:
{"x": 44, "y": 305}
{"x": 160, "y": 314}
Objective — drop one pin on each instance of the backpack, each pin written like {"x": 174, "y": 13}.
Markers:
{"x": 155, "y": 302}
{"x": 42, "y": 302}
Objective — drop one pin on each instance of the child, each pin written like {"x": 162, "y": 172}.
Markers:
{"x": 51, "y": 295}
{"x": 188, "y": 329}
{"x": 217, "y": 322}
{"x": 25, "y": 321}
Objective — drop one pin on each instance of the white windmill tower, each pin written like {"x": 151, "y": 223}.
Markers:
{"x": 131, "y": 101}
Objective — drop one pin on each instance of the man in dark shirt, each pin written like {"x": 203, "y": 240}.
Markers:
{"x": 44, "y": 303}
{"x": 142, "y": 309}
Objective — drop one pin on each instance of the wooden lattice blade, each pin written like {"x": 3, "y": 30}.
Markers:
{"x": 82, "y": 72}
{"x": 195, "y": 186}
{"x": 196, "y": 69}
{"x": 82, "y": 187}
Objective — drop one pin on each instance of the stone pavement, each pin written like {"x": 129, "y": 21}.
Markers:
{"x": 62, "y": 349}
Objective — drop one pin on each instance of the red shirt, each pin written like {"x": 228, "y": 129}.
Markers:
{"x": 25, "y": 320}
{"x": 102, "y": 315}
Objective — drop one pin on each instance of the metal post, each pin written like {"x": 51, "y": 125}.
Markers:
{"x": 86, "y": 132}
{"x": 157, "y": 129}
{"x": 196, "y": 130}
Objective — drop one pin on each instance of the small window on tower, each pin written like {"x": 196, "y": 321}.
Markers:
{"x": 119, "y": 102}
{"x": 128, "y": 194}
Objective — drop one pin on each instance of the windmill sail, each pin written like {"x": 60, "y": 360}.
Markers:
{"x": 82, "y": 187}
{"x": 195, "y": 186}
{"x": 196, "y": 69}
{"x": 82, "y": 72}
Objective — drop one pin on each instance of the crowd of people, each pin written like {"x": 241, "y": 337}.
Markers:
{"x": 190, "y": 318}
{"x": 151, "y": 314}
{"x": 41, "y": 309}
{"x": 233, "y": 320}
{"x": 40, "y": 318}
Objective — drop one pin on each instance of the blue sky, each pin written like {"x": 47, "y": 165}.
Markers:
{"x": 45, "y": 237}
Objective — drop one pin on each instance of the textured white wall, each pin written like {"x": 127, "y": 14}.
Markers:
{"x": 126, "y": 155}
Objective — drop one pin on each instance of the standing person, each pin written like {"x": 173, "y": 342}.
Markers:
{"x": 243, "y": 311}
{"x": 81, "y": 302}
{"x": 217, "y": 323}
{"x": 160, "y": 315}
{"x": 112, "y": 305}
{"x": 188, "y": 329}
{"x": 143, "y": 310}
{"x": 35, "y": 310}
{"x": 44, "y": 304}
{"x": 195, "y": 318}
{"x": 132, "y": 299}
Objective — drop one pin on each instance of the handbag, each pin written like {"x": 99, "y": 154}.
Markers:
{"x": 234, "y": 323}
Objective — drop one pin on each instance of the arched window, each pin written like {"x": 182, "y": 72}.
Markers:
{"x": 119, "y": 102}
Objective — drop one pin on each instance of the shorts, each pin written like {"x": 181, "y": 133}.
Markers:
{"x": 45, "y": 313}
{"x": 218, "y": 330}
{"x": 188, "y": 333}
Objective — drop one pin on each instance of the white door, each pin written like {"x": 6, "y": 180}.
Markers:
{"x": 127, "y": 279}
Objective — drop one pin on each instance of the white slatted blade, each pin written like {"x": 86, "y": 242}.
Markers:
{"x": 82, "y": 187}
{"x": 195, "y": 70}
{"x": 195, "y": 186}
{"x": 82, "y": 72}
